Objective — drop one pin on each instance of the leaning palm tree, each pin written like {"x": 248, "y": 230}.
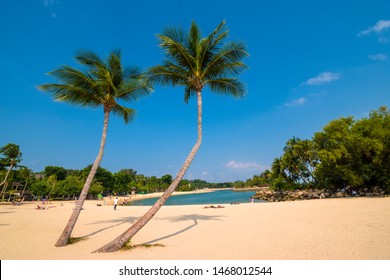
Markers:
{"x": 101, "y": 85}
{"x": 193, "y": 62}
{"x": 12, "y": 158}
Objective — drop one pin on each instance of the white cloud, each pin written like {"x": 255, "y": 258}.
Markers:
{"x": 296, "y": 102}
{"x": 242, "y": 165}
{"x": 323, "y": 78}
{"x": 379, "y": 27}
{"x": 379, "y": 56}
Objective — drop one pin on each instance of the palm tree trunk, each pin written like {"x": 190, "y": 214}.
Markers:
{"x": 5, "y": 180}
{"x": 64, "y": 238}
{"x": 48, "y": 195}
{"x": 122, "y": 239}
{"x": 24, "y": 188}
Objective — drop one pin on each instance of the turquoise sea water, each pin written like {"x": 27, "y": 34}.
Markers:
{"x": 216, "y": 197}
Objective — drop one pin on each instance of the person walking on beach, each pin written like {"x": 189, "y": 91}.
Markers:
{"x": 115, "y": 202}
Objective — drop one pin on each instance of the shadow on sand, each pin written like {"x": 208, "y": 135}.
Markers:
{"x": 195, "y": 218}
{"x": 117, "y": 222}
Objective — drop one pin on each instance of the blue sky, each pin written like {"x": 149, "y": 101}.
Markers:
{"x": 310, "y": 62}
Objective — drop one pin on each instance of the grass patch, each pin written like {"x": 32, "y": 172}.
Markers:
{"x": 73, "y": 240}
{"x": 128, "y": 246}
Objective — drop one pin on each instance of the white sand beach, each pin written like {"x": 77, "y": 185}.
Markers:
{"x": 326, "y": 229}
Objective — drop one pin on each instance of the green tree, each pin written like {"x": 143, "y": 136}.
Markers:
{"x": 60, "y": 172}
{"x": 103, "y": 84}
{"x": 71, "y": 186}
{"x": 193, "y": 62}
{"x": 96, "y": 188}
{"x": 24, "y": 174}
{"x": 299, "y": 161}
{"x": 334, "y": 151}
{"x": 40, "y": 188}
{"x": 355, "y": 152}
{"x": 12, "y": 156}
{"x": 52, "y": 181}
{"x": 122, "y": 180}
{"x": 166, "y": 179}
{"x": 102, "y": 175}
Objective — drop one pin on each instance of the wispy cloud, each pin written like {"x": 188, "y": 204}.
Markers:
{"x": 51, "y": 5}
{"x": 242, "y": 165}
{"x": 296, "y": 102}
{"x": 379, "y": 29}
{"x": 50, "y": 2}
{"x": 378, "y": 57}
{"x": 323, "y": 78}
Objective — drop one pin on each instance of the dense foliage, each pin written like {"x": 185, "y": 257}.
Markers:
{"x": 56, "y": 182}
{"x": 347, "y": 152}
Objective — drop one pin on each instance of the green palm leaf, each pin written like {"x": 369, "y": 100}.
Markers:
{"x": 195, "y": 62}
{"x": 102, "y": 83}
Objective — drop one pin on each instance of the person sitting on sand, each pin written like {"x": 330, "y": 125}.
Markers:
{"x": 212, "y": 206}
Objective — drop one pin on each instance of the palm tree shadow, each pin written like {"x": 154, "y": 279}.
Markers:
{"x": 195, "y": 218}
{"x": 117, "y": 221}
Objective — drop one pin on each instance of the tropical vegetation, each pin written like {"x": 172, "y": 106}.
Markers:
{"x": 194, "y": 62}
{"x": 66, "y": 184}
{"x": 347, "y": 152}
{"x": 102, "y": 84}
{"x": 11, "y": 157}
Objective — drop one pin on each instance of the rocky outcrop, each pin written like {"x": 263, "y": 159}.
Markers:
{"x": 273, "y": 196}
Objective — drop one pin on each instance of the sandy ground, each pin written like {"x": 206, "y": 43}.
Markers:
{"x": 357, "y": 228}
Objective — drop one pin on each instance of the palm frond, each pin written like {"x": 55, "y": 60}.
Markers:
{"x": 167, "y": 75}
{"x": 134, "y": 89}
{"x": 228, "y": 55}
{"x": 231, "y": 86}
{"x": 225, "y": 70}
{"x": 193, "y": 42}
{"x": 194, "y": 62}
{"x": 177, "y": 51}
{"x": 115, "y": 67}
{"x": 126, "y": 113}
{"x": 211, "y": 45}
{"x": 188, "y": 93}
{"x": 102, "y": 84}
{"x": 132, "y": 72}
{"x": 73, "y": 95}
{"x": 69, "y": 75}
{"x": 89, "y": 58}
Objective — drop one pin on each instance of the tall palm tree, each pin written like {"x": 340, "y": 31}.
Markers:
{"x": 12, "y": 157}
{"x": 25, "y": 173}
{"x": 193, "y": 62}
{"x": 101, "y": 85}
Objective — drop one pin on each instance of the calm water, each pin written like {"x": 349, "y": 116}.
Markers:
{"x": 217, "y": 197}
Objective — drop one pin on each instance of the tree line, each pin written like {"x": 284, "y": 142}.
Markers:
{"x": 56, "y": 182}
{"x": 346, "y": 153}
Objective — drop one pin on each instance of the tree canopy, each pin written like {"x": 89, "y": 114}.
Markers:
{"x": 347, "y": 152}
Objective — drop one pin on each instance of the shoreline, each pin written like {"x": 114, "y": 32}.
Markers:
{"x": 135, "y": 197}
{"x": 326, "y": 229}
